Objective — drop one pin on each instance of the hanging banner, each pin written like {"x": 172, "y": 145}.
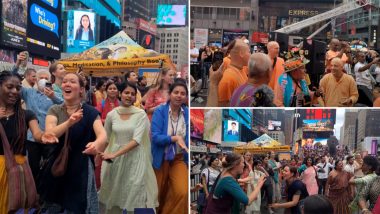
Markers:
{"x": 197, "y": 123}
{"x": 13, "y": 23}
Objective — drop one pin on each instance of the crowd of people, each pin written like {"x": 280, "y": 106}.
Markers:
{"x": 115, "y": 149}
{"x": 311, "y": 183}
{"x": 350, "y": 77}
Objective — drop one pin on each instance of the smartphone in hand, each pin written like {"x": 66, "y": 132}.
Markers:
{"x": 217, "y": 60}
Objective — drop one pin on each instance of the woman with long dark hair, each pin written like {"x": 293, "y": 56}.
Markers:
{"x": 15, "y": 121}
{"x": 226, "y": 190}
{"x": 84, "y": 31}
{"x": 296, "y": 191}
{"x": 129, "y": 182}
{"x": 309, "y": 175}
{"x": 170, "y": 150}
{"x": 75, "y": 190}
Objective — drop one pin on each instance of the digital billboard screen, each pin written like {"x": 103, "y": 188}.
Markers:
{"x": 229, "y": 35}
{"x": 44, "y": 27}
{"x": 171, "y": 14}
{"x": 196, "y": 122}
{"x": 81, "y": 31}
{"x": 146, "y": 40}
{"x": 274, "y": 125}
{"x": 318, "y": 125}
{"x": 231, "y": 131}
{"x": 14, "y": 23}
{"x": 212, "y": 125}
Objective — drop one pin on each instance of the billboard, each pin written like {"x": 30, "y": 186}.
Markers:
{"x": 196, "y": 123}
{"x": 14, "y": 23}
{"x": 171, "y": 14}
{"x": 274, "y": 125}
{"x": 7, "y": 56}
{"x": 200, "y": 37}
{"x": 231, "y": 131}
{"x": 151, "y": 74}
{"x": 229, "y": 35}
{"x": 44, "y": 28}
{"x": 318, "y": 125}
{"x": 81, "y": 31}
{"x": 213, "y": 125}
{"x": 146, "y": 40}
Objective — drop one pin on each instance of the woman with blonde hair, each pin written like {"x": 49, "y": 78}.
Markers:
{"x": 159, "y": 93}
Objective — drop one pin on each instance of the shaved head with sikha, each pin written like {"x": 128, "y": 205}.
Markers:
{"x": 273, "y": 49}
{"x": 337, "y": 67}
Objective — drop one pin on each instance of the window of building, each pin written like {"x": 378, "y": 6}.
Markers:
{"x": 207, "y": 11}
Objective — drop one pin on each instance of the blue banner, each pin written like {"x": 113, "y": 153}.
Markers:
{"x": 44, "y": 19}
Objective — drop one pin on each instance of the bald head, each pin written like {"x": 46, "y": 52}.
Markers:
{"x": 259, "y": 66}
{"x": 273, "y": 49}
{"x": 337, "y": 67}
{"x": 335, "y": 45}
{"x": 240, "y": 53}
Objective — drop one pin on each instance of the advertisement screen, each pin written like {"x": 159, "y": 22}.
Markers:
{"x": 229, "y": 35}
{"x": 274, "y": 125}
{"x": 146, "y": 40}
{"x": 44, "y": 27}
{"x": 197, "y": 125}
{"x": 318, "y": 125}
{"x": 213, "y": 125}
{"x": 151, "y": 74}
{"x": 7, "y": 56}
{"x": 171, "y": 14}
{"x": 200, "y": 37}
{"x": 231, "y": 131}
{"x": 14, "y": 23}
{"x": 81, "y": 31}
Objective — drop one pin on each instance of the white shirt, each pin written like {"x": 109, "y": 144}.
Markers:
{"x": 177, "y": 127}
{"x": 194, "y": 51}
{"x": 377, "y": 73}
{"x": 362, "y": 78}
{"x": 349, "y": 168}
{"x": 325, "y": 174}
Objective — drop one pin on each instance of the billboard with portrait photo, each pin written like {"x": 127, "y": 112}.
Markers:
{"x": 231, "y": 131}
{"x": 81, "y": 31}
{"x": 14, "y": 23}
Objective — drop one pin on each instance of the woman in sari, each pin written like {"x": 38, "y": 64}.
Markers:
{"x": 129, "y": 182}
{"x": 338, "y": 188}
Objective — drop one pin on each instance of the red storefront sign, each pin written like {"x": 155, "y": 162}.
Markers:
{"x": 260, "y": 37}
{"x": 149, "y": 27}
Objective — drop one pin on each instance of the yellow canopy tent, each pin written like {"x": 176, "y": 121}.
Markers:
{"x": 115, "y": 56}
{"x": 261, "y": 145}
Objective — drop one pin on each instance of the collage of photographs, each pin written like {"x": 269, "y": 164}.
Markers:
{"x": 189, "y": 107}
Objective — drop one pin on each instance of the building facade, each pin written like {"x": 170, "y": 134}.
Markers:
{"x": 349, "y": 137}
{"x": 174, "y": 42}
{"x": 368, "y": 125}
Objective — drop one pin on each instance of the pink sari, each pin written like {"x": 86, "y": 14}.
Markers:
{"x": 308, "y": 178}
